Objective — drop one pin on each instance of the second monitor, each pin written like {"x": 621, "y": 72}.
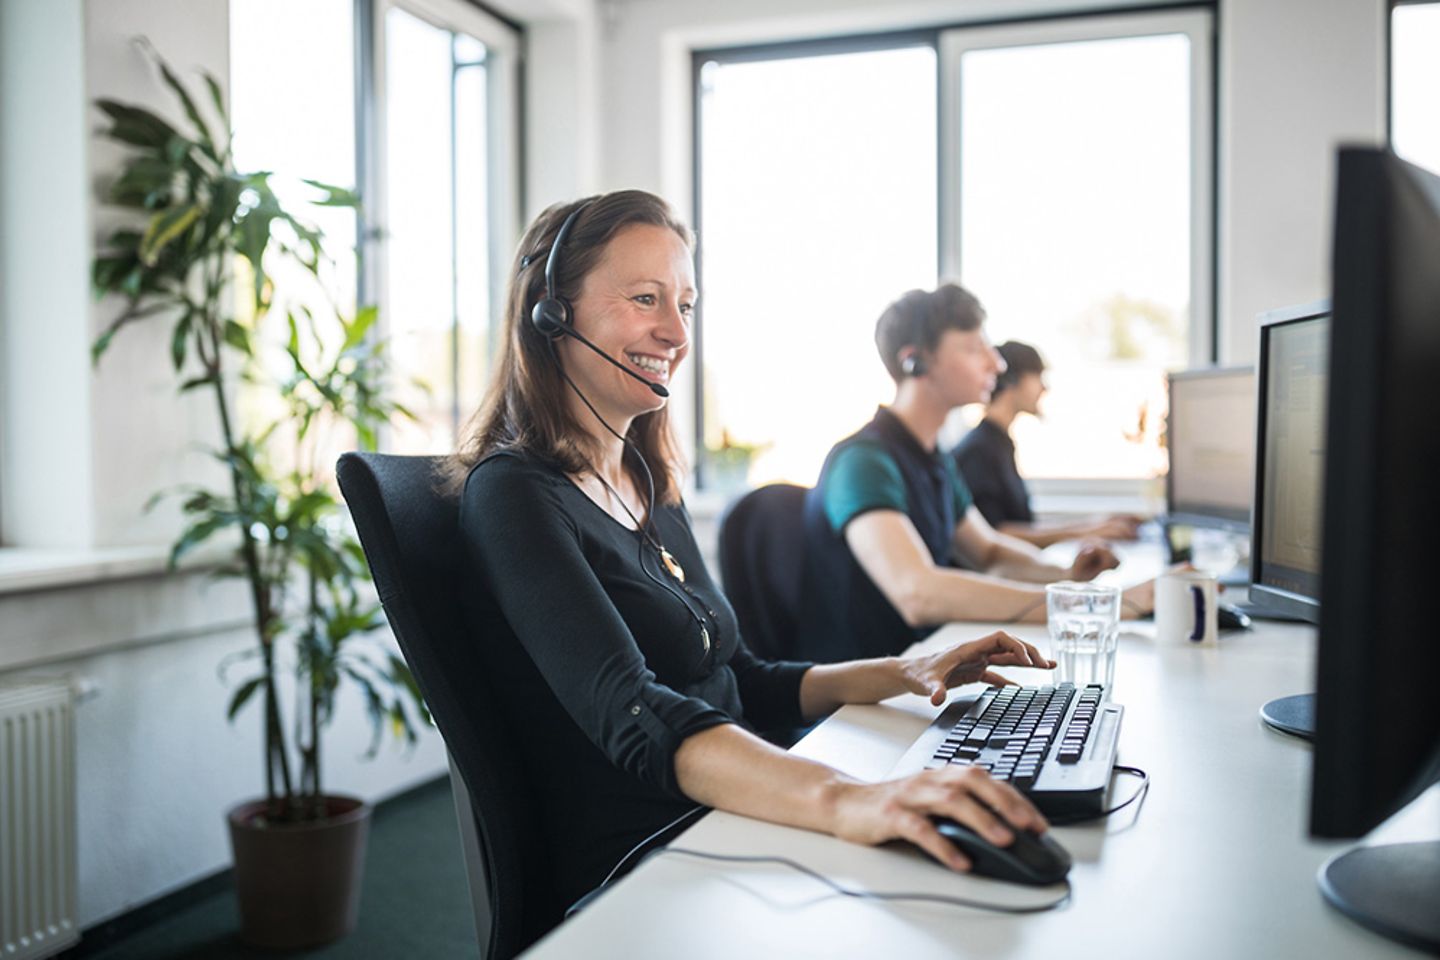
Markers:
{"x": 1210, "y": 435}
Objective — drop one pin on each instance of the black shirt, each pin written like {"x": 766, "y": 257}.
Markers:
{"x": 603, "y": 671}
{"x": 844, "y": 615}
{"x": 986, "y": 458}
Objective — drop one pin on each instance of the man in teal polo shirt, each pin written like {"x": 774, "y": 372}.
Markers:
{"x": 891, "y": 519}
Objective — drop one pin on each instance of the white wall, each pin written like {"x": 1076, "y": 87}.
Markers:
{"x": 158, "y": 764}
{"x": 1297, "y": 78}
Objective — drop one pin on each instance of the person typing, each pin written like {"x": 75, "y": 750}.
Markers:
{"x": 616, "y": 656}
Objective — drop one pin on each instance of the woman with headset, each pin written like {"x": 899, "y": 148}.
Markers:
{"x": 891, "y": 522}
{"x": 613, "y": 651}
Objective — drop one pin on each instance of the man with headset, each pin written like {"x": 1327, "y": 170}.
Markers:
{"x": 891, "y": 521}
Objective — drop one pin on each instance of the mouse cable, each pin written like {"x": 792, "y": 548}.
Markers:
{"x": 1088, "y": 817}
{"x": 863, "y": 894}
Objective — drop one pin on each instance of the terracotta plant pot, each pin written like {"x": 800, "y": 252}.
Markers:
{"x": 299, "y": 884}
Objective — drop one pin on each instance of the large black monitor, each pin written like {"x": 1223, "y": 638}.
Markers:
{"x": 1285, "y": 536}
{"x": 1377, "y": 743}
{"x": 1210, "y": 436}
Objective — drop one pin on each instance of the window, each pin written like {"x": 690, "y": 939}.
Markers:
{"x": 835, "y": 155}
{"x": 1415, "y": 83}
{"x": 1063, "y": 173}
{"x": 1080, "y": 218}
{"x": 433, "y": 159}
{"x": 439, "y": 266}
{"x": 292, "y": 107}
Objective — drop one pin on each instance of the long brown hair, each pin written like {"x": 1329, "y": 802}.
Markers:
{"x": 523, "y": 407}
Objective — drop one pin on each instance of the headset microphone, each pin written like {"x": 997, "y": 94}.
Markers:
{"x": 568, "y": 331}
{"x": 551, "y": 316}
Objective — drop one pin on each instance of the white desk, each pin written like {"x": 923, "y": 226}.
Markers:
{"x": 1216, "y": 864}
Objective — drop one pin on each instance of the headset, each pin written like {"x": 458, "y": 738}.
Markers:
{"x": 552, "y": 317}
{"x": 913, "y": 365}
{"x": 552, "y": 314}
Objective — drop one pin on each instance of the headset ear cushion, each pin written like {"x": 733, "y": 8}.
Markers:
{"x": 550, "y": 316}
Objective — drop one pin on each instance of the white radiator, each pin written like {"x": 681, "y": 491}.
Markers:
{"x": 37, "y": 819}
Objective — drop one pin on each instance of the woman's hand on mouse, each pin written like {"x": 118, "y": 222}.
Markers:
{"x": 930, "y": 676}
{"x": 872, "y": 813}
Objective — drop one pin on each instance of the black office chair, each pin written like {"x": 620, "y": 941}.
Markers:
{"x": 762, "y": 549}
{"x": 411, "y": 539}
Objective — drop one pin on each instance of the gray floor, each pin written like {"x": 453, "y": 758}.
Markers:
{"x": 414, "y": 903}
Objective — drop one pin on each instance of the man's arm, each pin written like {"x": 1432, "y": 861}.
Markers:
{"x": 994, "y": 552}
{"x": 890, "y": 551}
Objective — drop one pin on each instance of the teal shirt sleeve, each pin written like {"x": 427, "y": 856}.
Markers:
{"x": 862, "y": 477}
{"x": 964, "y": 499}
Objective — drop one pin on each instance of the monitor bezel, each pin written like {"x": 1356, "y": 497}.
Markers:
{"x": 1276, "y": 598}
{"x": 1231, "y": 521}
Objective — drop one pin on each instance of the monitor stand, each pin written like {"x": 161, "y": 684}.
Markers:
{"x": 1293, "y": 715}
{"x": 1392, "y": 889}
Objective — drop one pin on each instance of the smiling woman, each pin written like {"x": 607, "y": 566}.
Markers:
{"x": 607, "y": 640}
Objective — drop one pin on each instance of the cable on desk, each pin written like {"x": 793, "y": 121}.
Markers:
{"x": 1089, "y": 817}
{"x": 863, "y": 894}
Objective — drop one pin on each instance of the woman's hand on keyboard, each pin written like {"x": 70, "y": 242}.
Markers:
{"x": 872, "y": 813}
{"x": 930, "y": 676}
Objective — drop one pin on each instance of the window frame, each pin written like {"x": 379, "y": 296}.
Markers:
{"x": 504, "y": 45}
{"x": 755, "y": 53}
{"x": 1196, "y": 20}
{"x": 1198, "y": 25}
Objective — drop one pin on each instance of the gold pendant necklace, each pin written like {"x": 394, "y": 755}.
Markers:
{"x": 671, "y": 564}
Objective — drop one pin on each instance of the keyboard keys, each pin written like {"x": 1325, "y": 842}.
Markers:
{"x": 1015, "y": 731}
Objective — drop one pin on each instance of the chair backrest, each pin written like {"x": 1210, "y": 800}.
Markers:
{"x": 762, "y": 548}
{"x": 411, "y": 538}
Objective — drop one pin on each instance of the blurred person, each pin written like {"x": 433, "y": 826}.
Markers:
{"x": 986, "y": 459}
{"x": 891, "y": 522}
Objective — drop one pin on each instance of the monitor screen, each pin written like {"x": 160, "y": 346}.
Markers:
{"x": 1290, "y": 452}
{"x": 1210, "y": 434}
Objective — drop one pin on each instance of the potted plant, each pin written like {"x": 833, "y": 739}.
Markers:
{"x": 200, "y": 224}
{"x": 729, "y": 463}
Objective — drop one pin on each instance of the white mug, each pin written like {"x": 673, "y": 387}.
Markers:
{"x": 1185, "y": 608}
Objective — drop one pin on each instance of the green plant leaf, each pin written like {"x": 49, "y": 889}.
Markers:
{"x": 146, "y": 182}
{"x": 374, "y": 706}
{"x": 207, "y": 142}
{"x": 334, "y": 196}
{"x": 164, "y": 228}
{"x": 216, "y": 97}
{"x": 196, "y": 534}
{"x": 180, "y": 339}
{"x": 244, "y": 693}
{"x": 356, "y": 329}
{"x": 136, "y": 125}
{"x": 238, "y": 337}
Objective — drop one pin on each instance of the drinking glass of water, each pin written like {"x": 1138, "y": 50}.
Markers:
{"x": 1084, "y": 621}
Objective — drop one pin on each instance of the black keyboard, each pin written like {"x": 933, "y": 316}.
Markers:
{"x": 1054, "y": 744}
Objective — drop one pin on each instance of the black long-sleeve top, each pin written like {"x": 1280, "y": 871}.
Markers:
{"x": 602, "y": 670}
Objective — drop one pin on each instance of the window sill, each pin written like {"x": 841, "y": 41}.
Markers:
{"x": 27, "y": 570}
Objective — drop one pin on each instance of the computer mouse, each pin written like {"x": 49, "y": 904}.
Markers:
{"x": 1230, "y": 617}
{"x": 1031, "y": 858}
